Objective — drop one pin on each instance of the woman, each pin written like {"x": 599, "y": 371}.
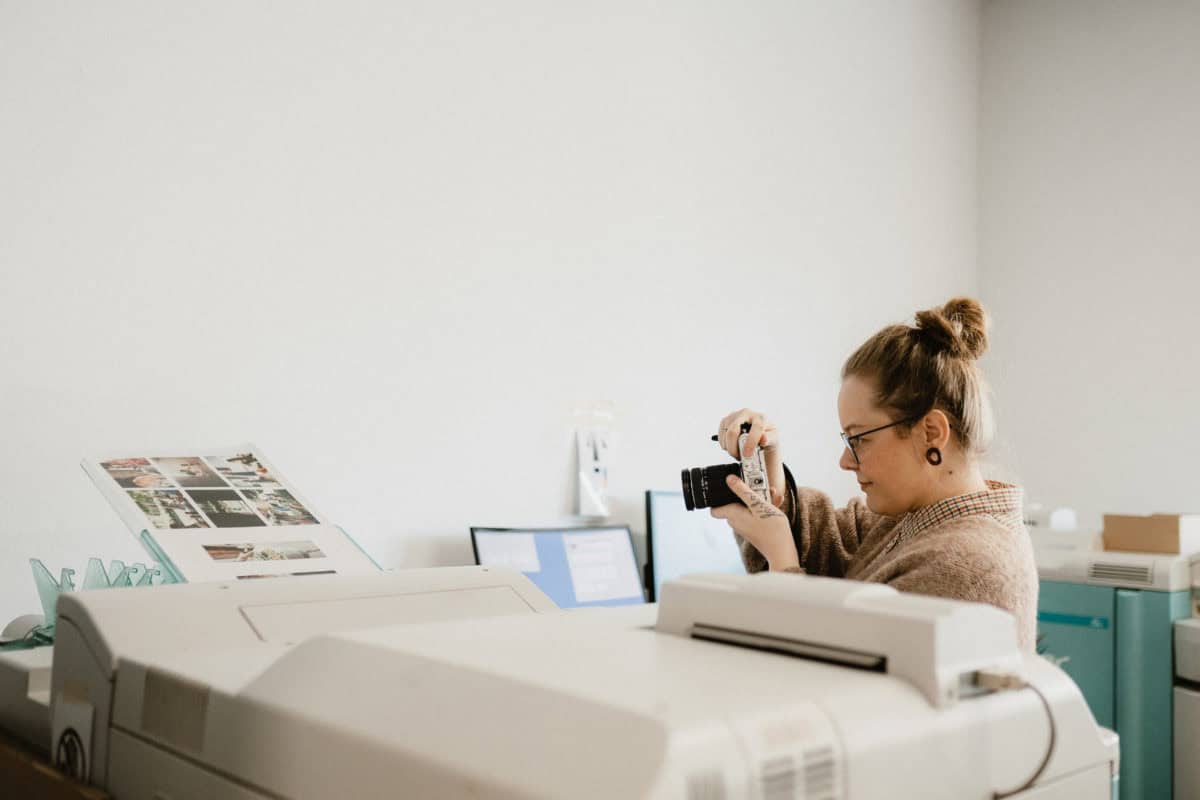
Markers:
{"x": 915, "y": 419}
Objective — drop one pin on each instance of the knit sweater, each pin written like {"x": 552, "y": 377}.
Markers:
{"x": 974, "y": 547}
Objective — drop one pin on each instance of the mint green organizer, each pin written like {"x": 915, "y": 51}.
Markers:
{"x": 118, "y": 575}
{"x": 95, "y": 576}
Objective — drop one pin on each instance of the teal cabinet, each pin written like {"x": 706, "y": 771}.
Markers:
{"x": 1117, "y": 645}
{"x": 1077, "y": 631}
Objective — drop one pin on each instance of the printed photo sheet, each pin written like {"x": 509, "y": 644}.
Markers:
{"x": 224, "y": 514}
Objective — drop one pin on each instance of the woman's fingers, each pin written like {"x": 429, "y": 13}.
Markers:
{"x": 754, "y": 436}
{"x": 739, "y": 487}
{"x": 730, "y": 429}
{"x": 734, "y": 513}
{"x": 758, "y": 505}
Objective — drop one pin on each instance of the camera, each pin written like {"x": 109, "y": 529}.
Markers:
{"x": 704, "y": 487}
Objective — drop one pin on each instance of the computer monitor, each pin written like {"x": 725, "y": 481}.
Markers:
{"x": 680, "y": 542}
{"x": 574, "y": 566}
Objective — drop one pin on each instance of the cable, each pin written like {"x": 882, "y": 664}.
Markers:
{"x": 999, "y": 681}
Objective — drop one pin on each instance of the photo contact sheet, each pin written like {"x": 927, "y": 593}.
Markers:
{"x": 224, "y": 515}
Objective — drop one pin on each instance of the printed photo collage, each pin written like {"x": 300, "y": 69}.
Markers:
{"x": 223, "y": 517}
{"x": 190, "y": 493}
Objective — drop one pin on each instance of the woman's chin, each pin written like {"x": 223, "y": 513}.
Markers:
{"x": 878, "y": 505}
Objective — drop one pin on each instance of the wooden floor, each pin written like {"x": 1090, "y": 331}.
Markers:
{"x": 26, "y": 775}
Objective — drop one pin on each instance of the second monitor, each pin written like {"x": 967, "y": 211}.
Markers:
{"x": 680, "y": 542}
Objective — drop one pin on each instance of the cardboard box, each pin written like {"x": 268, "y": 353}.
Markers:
{"x": 1155, "y": 533}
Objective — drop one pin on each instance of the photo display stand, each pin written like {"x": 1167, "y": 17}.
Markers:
{"x": 223, "y": 514}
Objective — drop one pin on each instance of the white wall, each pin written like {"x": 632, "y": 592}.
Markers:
{"x": 398, "y": 245}
{"x": 1090, "y": 243}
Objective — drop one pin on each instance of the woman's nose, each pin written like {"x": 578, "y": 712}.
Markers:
{"x": 847, "y": 461}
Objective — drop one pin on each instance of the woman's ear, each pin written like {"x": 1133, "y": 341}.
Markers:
{"x": 935, "y": 427}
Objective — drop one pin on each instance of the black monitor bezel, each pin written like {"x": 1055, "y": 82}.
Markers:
{"x": 648, "y": 578}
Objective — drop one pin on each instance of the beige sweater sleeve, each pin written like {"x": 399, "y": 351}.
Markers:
{"x": 826, "y": 537}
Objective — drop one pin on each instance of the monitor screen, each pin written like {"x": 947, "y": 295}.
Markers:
{"x": 680, "y": 542}
{"x": 573, "y": 566}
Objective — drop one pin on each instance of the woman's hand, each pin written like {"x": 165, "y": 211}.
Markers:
{"x": 764, "y": 434}
{"x": 761, "y": 524}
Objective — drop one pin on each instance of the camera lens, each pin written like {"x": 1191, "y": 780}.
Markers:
{"x": 704, "y": 487}
{"x": 688, "y": 499}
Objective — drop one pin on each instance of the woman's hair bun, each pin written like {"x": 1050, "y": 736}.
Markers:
{"x": 958, "y": 328}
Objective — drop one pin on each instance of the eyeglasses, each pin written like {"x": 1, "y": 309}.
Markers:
{"x": 850, "y": 440}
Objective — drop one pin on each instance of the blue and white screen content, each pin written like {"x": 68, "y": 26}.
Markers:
{"x": 685, "y": 541}
{"x": 582, "y": 567}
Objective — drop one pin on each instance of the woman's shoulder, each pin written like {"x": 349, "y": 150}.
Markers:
{"x": 983, "y": 539}
{"x": 972, "y": 558}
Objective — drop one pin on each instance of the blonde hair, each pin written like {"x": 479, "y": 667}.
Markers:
{"x": 932, "y": 365}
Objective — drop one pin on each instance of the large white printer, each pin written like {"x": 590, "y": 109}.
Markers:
{"x": 762, "y": 686}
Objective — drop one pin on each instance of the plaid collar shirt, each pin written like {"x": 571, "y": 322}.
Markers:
{"x": 1001, "y": 501}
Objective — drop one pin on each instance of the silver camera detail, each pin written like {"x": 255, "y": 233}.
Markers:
{"x": 754, "y": 469}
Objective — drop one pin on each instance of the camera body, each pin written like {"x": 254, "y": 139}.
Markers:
{"x": 704, "y": 487}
